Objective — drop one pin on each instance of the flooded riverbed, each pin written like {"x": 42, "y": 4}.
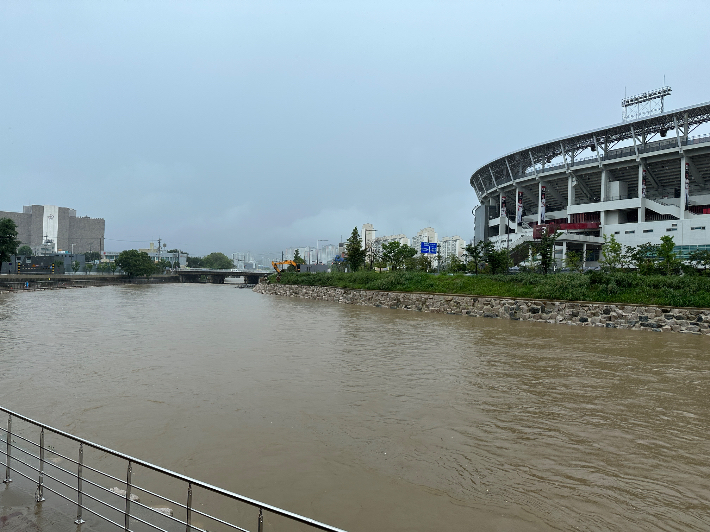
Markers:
{"x": 369, "y": 418}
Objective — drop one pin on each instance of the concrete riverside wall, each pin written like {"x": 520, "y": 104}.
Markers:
{"x": 16, "y": 283}
{"x": 616, "y": 316}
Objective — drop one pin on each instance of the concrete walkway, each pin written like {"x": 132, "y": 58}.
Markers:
{"x": 20, "y": 513}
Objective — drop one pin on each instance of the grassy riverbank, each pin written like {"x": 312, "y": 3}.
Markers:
{"x": 619, "y": 287}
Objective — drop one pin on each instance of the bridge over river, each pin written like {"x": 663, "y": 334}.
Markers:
{"x": 194, "y": 275}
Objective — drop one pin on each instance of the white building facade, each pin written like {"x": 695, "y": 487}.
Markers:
{"x": 452, "y": 246}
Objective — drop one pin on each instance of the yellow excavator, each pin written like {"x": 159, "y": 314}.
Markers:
{"x": 276, "y": 265}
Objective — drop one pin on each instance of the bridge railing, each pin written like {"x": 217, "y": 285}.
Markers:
{"x": 144, "y": 496}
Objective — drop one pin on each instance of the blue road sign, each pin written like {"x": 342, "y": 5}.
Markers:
{"x": 432, "y": 247}
{"x": 425, "y": 247}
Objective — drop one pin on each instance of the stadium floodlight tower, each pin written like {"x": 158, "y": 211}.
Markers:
{"x": 645, "y": 104}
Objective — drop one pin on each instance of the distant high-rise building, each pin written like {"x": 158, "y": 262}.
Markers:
{"x": 368, "y": 237}
{"x": 452, "y": 246}
{"x": 327, "y": 254}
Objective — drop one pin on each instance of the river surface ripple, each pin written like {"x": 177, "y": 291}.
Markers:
{"x": 373, "y": 419}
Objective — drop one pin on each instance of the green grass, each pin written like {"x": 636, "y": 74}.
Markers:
{"x": 619, "y": 287}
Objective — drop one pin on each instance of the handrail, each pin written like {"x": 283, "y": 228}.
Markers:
{"x": 191, "y": 482}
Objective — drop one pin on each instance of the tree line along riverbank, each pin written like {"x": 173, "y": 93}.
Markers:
{"x": 595, "y": 286}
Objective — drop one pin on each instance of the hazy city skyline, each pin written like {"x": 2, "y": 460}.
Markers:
{"x": 222, "y": 126}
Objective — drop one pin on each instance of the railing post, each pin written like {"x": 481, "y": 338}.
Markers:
{"x": 40, "y": 484}
{"x": 260, "y": 527}
{"x": 79, "y": 520}
{"x": 188, "y": 518}
{"x": 7, "y": 454}
{"x": 127, "y": 513}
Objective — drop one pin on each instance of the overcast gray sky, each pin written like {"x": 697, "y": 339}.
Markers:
{"x": 234, "y": 126}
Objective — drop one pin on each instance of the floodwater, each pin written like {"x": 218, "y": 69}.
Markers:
{"x": 369, "y": 418}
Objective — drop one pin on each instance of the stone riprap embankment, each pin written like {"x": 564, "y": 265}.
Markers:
{"x": 618, "y": 316}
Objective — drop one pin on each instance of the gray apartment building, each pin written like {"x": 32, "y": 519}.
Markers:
{"x": 51, "y": 229}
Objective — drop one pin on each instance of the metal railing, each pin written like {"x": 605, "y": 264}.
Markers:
{"x": 131, "y": 514}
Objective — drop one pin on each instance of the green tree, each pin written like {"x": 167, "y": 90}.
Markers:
{"x": 217, "y": 261}
{"x": 75, "y": 266}
{"x": 522, "y": 253}
{"x": 135, "y": 263}
{"x": 420, "y": 263}
{"x": 355, "y": 251}
{"x": 573, "y": 261}
{"x": 394, "y": 254}
{"x": 701, "y": 259}
{"x": 455, "y": 265}
{"x": 162, "y": 265}
{"x": 91, "y": 256}
{"x": 113, "y": 266}
{"x": 545, "y": 248}
{"x": 297, "y": 257}
{"x": 89, "y": 266}
{"x": 474, "y": 254}
{"x": 380, "y": 264}
{"x": 498, "y": 260}
{"x": 8, "y": 239}
{"x": 669, "y": 262}
{"x": 373, "y": 253}
{"x": 487, "y": 248}
{"x": 612, "y": 254}
{"x": 643, "y": 257}
{"x": 25, "y": 250}
{"x": 194, "y": 262}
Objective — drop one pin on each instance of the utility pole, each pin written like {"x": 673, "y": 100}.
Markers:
{"x": 158, "y": 249}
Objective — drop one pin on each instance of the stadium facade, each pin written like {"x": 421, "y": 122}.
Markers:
{"x": 638, "y": 180}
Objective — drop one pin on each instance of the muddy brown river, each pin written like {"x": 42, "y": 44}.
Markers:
{"x": 374, "y": 419}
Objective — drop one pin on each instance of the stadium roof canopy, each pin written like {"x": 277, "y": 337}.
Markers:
{"x": 515, "y": 165}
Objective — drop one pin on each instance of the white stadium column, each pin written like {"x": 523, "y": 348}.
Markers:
{"x": 570, "y": 195}
{"x": 683, "y": 185}
{"x": 502, "y": 220}
{"x": 518, "y": 228}
{"x": 584, "y": 255}
{"x": 642, "y": 199}
{"x": 539, "y": 202}
{"x": 603, "y": 195}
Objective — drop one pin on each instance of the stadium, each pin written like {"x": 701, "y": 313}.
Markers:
{"x": 638, "y": 180}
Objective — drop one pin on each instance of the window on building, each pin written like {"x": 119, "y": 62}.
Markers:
{"x": 701, "y": 228}
{"x": 617, "y": 232}
{"x": 671, "y": 228}
{"x": 629, "y": 232}
{"x": 648, "y": 230}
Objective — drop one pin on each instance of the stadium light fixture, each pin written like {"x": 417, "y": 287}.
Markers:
{"x": 645, "y": 104}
